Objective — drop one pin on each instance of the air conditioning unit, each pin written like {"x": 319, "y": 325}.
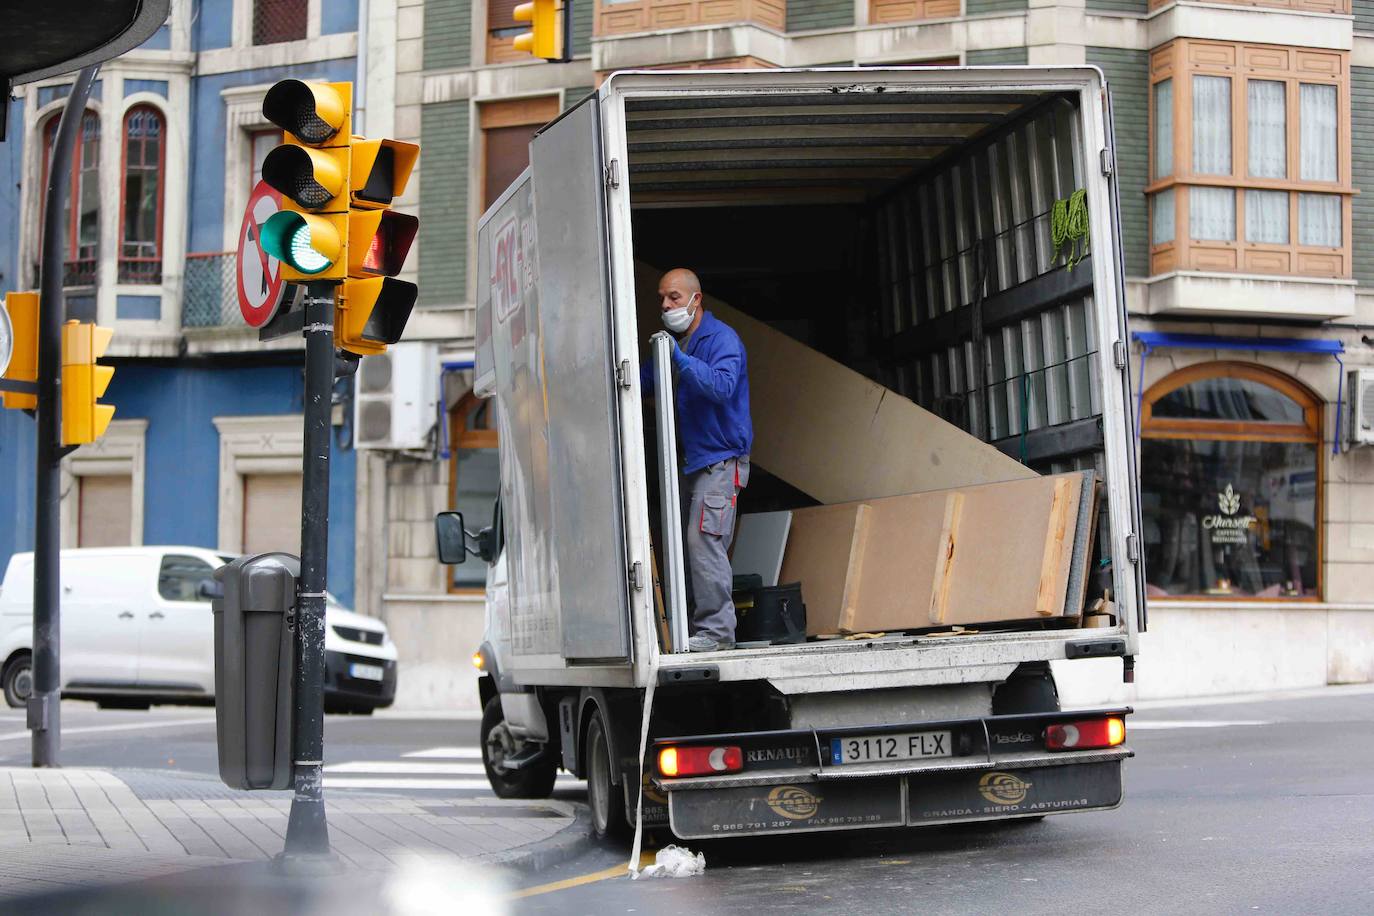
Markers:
{"x": 1361, "y": 406}
{"x": 395, "y": 401}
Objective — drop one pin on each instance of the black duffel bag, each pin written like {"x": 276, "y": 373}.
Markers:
{"x": 776, "y": 615}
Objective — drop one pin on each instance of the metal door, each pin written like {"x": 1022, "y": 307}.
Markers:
{"x": 578, "y": 360}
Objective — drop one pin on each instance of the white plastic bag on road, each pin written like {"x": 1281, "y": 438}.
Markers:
{"x": 675, "y": 862}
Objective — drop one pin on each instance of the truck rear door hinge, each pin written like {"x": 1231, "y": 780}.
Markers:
{"x": 1106, "y": 155}
{"x": 613, "y": 174}
{"x": 1133, "y": 548}
{"x": 637, "y": 576}
{"x": 622, "y": 373}
{"x": 1119, "y": 354}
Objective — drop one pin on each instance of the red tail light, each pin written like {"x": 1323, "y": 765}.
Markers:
{"x": 699, "y": 761}
{"x": 1085, "y": 735}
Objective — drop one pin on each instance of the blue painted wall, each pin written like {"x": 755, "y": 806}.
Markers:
{"x": 161, "y": 40}
{"x": 11, "y": 168}
{"x": 338, "y": 16}
{"x": 214, "y": 24}
{"x": 207, "y": 140}
{"x": 181, "y": 475}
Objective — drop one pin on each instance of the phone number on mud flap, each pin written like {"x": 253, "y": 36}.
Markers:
{"x": 838, "y": 821}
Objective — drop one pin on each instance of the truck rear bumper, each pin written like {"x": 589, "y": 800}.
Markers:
{"x": 1030, "y": 785}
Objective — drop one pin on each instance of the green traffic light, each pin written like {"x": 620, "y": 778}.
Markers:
{"x": 292, "y": 239}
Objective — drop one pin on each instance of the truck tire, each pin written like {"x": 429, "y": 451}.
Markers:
{"x": 534, "y": 781}
{"x": 18, "y": 680}
{"x": 607, "y": 804}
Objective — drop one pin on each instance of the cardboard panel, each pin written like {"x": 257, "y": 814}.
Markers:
{"x": 830, "y": 432}
{"x": 759, "y": 545}
{"x": 824, "y": 553}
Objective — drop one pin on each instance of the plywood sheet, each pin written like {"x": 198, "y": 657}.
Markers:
{"x": 824, "y": 553}
{"x": 759, "y": 545}
{"x": 832, "y": 433}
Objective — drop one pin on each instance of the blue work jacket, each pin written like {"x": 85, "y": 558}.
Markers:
{"x": 712, "y": 395}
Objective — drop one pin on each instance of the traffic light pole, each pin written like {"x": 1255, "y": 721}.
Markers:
{"x": 44, "y": 707}
{"x": 307, "y": 832}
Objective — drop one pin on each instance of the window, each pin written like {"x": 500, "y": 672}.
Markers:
{"x": 83, "y": 214}
{"x": 180, "y": 577}
{"x": 1250, "y": 154}
{"x": 279, "y": 20}
{"x": 102, "y": 515}
{"x": 474, "y": 477}
{"x": 260, "y": 143}
{"x": 501, "y": 28}
{"x": 140, "y": 245}
{"x": 1231, "y": 484}
{"x": 507, "y": 128}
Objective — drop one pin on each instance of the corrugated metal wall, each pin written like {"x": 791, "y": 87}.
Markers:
{"x": 1362, "y": 168}
{"x": 995, "y": 56}
{"x": 444, "y": 203}
{"x": 1364, "y": 15}
{"x": 819, "y": 14}
{"x": 981, "y": 7}
{"x": 1128, "y": 77}
{"x": 1120, "y": 6}
{"x": 448, "y": 33}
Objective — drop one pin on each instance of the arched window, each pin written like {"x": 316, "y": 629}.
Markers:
{"x": 474, "y": 478}
{"x": 83, "y": 214}
{"x": 140, "y": 225}
{"x": 1231, "y": 484}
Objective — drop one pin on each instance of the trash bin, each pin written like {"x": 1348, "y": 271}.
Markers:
{"x": 255, "y": 663}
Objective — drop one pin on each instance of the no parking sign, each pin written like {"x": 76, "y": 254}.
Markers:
{"x": 260, "y": 285}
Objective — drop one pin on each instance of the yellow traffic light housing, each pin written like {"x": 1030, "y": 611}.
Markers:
{"x": 84, "y": 382}
{"x": 550, "y": 28}
{"x": 372, "y": 313}
{"x": 23, "y": 367}
{"x": 313, "y": 113}
{"x": 380, "y": 170}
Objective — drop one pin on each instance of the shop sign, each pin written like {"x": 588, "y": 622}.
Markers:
{"x": 1228, "y": 527}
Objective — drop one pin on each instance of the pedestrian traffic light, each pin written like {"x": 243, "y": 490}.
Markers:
{"x": 84, "y": 418}
{"x": 22, "y": 309}
{"x": 550, "y": 25}
{"x": 311, "y": 170}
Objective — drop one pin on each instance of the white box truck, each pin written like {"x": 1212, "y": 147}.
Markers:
{"x": 900, "y": 223}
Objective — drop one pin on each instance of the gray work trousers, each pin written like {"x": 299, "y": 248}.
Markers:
{"x": 710, "y": 522}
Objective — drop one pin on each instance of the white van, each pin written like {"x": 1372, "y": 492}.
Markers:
{"x": 135, "y": 630}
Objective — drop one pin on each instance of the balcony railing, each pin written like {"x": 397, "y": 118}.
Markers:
{"x": 212, "y": 299}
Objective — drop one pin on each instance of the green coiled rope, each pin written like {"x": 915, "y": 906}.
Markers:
{"x": 1069, "y": 228}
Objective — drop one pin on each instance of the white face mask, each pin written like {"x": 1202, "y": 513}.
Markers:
{"x": 679, "y": 319}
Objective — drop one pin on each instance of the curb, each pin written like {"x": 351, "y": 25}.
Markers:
{"x": 564, "y": 845}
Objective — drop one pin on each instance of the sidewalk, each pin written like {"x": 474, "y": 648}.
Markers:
{"x": 67, "y": 829}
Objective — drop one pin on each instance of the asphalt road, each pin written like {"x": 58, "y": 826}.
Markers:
{"x": 1252, "y": 807}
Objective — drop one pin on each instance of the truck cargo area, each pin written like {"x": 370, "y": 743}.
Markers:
{"x": 877, "y": 247}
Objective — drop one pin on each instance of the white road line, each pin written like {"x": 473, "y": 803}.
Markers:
{"x": 125, "y": 727}
{"x": 365, "y": 782}
{"x": 453, "y": 753}
{"x": 1163, "y": 724}
{"x": 407, "y": 769}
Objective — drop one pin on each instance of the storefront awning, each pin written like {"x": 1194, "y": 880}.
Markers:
{"x": 1151, "y": 340}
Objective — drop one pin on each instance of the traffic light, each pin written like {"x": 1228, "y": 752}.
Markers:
{"x": 84, "y": 418}
{"x": 311, "y": 170}
{"x": 23, "y": 366}
{"x": 550, "y": 26}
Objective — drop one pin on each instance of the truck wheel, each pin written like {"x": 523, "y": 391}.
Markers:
{"x": 499, "y": 745}
{"x": 18, "y": 681}
{"x": 608, "y": 805}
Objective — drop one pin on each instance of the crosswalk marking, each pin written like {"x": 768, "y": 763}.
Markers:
{"x": 363, "y": 782}
{"x": 453, "y": 753}
{"x": 406, "y": 768}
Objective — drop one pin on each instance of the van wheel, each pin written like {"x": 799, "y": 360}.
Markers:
{"x": 18, "y": 681}
{"x": 498, "y": 746}
{"x": 608, "y": 807}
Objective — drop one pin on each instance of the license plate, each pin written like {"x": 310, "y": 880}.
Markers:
{"x": 366, "y": 672}
{"x": 878, "y": 748}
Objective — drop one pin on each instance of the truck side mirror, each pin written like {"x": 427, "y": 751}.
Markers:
{"x": 487, "y": 548}
{"x": 209, "y": 590}
{"x": 450, "y": 537}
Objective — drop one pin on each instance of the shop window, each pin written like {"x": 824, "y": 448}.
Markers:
{"x": 276, "y": 21}
{"x": 1250, "y": 159}
{"x": 83, "y": 203}
{"x": 474, "y": 478}
{"x": 140, "y": 244}
{"x": 1231, "y": 485}
{"x": 507, "y": 129}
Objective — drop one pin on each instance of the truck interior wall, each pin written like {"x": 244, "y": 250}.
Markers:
{"x": 943, "y": 286}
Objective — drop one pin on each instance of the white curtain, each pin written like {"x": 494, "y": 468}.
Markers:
{"x": 1162, "y": 218}
{"x": 1318, "y": 132}
{"x": 1268, "y": 129}
{"x": 1212, "y": 214}
{"x": 1212, "y": 125}
{"x": 1266, "y": 217}
{"x": 1164, "y": 128}
{"x": 1319, "y": 220}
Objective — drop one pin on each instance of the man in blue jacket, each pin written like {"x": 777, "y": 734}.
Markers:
{"x": 717, "y": 434}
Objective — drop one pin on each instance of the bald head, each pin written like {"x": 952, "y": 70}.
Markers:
{"x": 680, "y": 289}
{"x": 680, "y": 278}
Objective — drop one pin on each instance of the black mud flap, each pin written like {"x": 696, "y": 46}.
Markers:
{"x": 977, "y": 795}
{"x": 791, "y": 808}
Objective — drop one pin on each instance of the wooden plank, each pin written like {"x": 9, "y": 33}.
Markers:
{"x": 849, "y": 600}
{"x": 665, "y": 632}
{"x": 832, "y": 433}
{"x": 944, "y": 558}
{"x": 1055, "y": 548}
